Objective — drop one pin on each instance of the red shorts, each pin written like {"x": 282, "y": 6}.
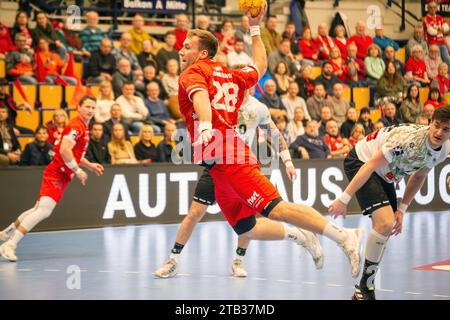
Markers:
{"x": 54, "y": 183}
{"x": 242, "y": 191}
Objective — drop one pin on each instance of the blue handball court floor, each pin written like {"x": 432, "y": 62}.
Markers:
{"x": 117, "y": 263}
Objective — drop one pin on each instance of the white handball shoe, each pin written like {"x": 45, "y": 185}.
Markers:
{"x": 312, "y": 245}
{"x": 351, "y": 248}
{"x": 8, "y": 251}
{"x": 237, "y": 269}
{"x": 168, "y": 270}
{"x": 4, "y": 236}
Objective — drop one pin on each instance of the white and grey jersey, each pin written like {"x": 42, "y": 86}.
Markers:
{"x": 252, "y": 114}
{"x": 406, "y": 149}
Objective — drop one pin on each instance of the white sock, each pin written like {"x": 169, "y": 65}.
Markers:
{"x": 174, "y": 256}
{"x": 376, "y": 243}
{"x": 238, "y": 257}
{"x": 334, "y": 233}
{"x": 294, "y": 234}
{"x": 17, "y": 236}
{"x": 10, "y": 229}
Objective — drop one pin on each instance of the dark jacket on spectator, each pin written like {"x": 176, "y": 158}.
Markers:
{"x": 163, "y": 56}
{"x": 142, "y": 152}
{"x": 147, "y": 59}
{"x": 328, "y": 84}
{"x": 99, "y": 62}
{"x": 97, "y": 152}
{"x": 306, "y": 87}
{"x": 272, "y": 102}
{"x": 165, "y": 151}
{"x": 107, "y": 129}
{"x": 15, "y": 143}
{"x": 157, "y": 112}
{"x": 119, "y": 79}
{"x": 390, "y": 122}
{"x": 35, "y": 155}
{"x": 316, "y": 147}
{"x": 368, "y": 128}
{"x": 48, "y": 33}
{"x": 347, "y": 127}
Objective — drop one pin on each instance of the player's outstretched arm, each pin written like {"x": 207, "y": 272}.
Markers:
{"x": 339, "y": 206}
{"x": 284, "y": 150}
{"x": 202, "y": 107}
{"x": 258, "y": 49}
{"x": 69, "y": 160}
{"x": 96, "y": 168}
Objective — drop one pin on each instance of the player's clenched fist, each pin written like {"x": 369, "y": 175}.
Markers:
{"x": 205, "y": 129}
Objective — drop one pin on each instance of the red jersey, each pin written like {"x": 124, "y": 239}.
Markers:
{"x": 444, "y": 83}
{"x": 308, "y": 49}
{"x": 362, "y": 43}
{"x": 78, "y": 132}
{"x": 181, "y": 36}
{"x": 342, "y": 44}
{"x": 226, "y": 89}
{"x": 333, "y": 143}
{"x": 433, "y": 27}
{"x": 417, "y": 67}
{"x": 326, "y": 43}
{"x": 435, "y": 104}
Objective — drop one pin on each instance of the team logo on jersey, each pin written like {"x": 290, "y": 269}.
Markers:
{"x": 73, "y": 134}
{"x": 247, "y": 69}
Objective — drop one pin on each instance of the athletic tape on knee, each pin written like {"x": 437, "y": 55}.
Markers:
{"x": 43, "y": 211}
{"x": 375, "y": 246}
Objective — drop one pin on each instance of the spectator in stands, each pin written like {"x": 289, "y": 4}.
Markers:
{"x": 272, "y": 100}
{"x": 341, "y": 41}
{"x": 134, "y": 112}
{"x": 326, "y": 114}
{"x": 44, "y": 30}
{"x": 435, "y": 98}
{"x": 38, "y": 152}
{"x": 9, "y": 145}
{"x": 150, "y": 76}
{"x": 91, "y": 35}
{"x": 411, "y": 106}
{"x": 289, "y": 33}
{"x": 52, "y": 64}
{"x": 181, "y": 30}
{"x": 310, "y": 145}
{"x": 357, "y": 134}
{"x": 292, "y": 101}
{"x": 281, "y": 123}
{"x": 374, "y": 65}
{"x": 378, "y": 125}
{"x": 116, "y": 117}
{"x": 355, "y": 69}
{"x": 416, "y": 70}
{"x": 69, "y": 37}
{"x": 327, "y": 78}
{"x": 339, "y": 105}
{"x": 167, "y": 52}
{"x": 389, "y": 56}
{"x": 20, "y": 62}
{"x": 55, "y": 127}
{"x": 120, "y": 149}
{"x": 124, "y": 52}
{"x": 145, "y": 150}
{"x": 296, "y": 127}
{"x": 383, "y": 41}
{"x": 349, "y": 123}
{"x": 21, "y": 26}
{"x": 339, "y": 146}
{"x": 282, "y": 78}
{"x": 391, "y": 86}
{"x": 243, "y": 32}
{"x": 323, "y": 41}
{"x": 139, "y": 35}
{"x": 270, "y": 36}
{"x": 146, "y": 57}
{"x": 364, "y": 119}
{"x": 166, "y": 146}
{"x": 238, "y": 55}
{"x": 8, "y": 101}
{"x": 283, "y": 53}
{"x": 105, "y": 99}
{"x": 6, "y": 43}
{"x": 97, "y": 151}
{"x": 226, "y": 37}
{"x": 170, "y": 78}
{"x": 422, "y": 121}
{"x": 338, "y": 64}
{"x": 308, "y": 48}
{"x": 428, "y": 111}
{"x": 390, "y": 117}
{"x": 102, "y": 63}
{"x": 442, "y": 80}
{"x": 203, "y": 23}
{"x": 305, "y": 84}
{"x": 361, "y": 40}
{"x": 317, "y": 101}
{"x": 124, "y": 75}
{"x": 432, "y": 61}
{"x": 158, "y": 114}
{"x": 417, "y": 39}
{"x": 435, "y": 28}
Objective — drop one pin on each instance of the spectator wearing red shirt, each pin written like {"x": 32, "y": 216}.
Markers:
{"x": 361, "y": 40}
{"x": 55, "y": 127}
{"x": 355, "y": 70}
{"x": 6, "y": 43}
{"x": 442, "y": 80}
{"x": 324, "y": 42}
{"x": 308, "y": 47}
{"x": 226, "y": 37}
{"x": 305, "y": 83}
{"x": 341, "y": 41}
{"x": 416, "y": 69}
{"x": 339, "y": 147}
{"x": 181, "y": 30}
{"x": 19, "y": 62}
{"x": 339, "y": 67}
{"x": 435, "y": 98}
{"x": 356, "y": 135}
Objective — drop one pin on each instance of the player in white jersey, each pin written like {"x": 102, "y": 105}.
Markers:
{"x": 384, "y": 157}
{"x": 252, "y": 115}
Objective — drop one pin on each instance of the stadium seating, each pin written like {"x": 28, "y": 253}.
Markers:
{"x": 50, "y": 96}
{"x": 156, "y": 139}
{"x": 2, "y": 69}
{"x": 423, "y": 94}
{"x": 361, "y": 97}
{"x": 27, "y": 119}
{"x": 401, "y": 55}
{"x": 30, "y": 92}
{"x": 24, "y": 140}
{"x": 316, "y": 71}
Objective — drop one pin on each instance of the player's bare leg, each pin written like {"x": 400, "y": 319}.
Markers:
{"x": 308, "y": 218}
{"x": 382, "y": 224}
{"x": 25, "y": 223}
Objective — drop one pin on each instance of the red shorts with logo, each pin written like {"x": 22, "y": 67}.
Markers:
{"x": 54, "y": 183}
{"x": 242, "y": 190}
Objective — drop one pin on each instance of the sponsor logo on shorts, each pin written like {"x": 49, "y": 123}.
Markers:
{"x": 253, "y": 198}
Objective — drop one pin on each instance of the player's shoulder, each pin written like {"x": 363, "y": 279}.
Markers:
{"x": 77, "y": 124}
{"x": 204, "y": 66}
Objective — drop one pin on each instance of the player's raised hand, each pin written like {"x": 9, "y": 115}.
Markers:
{"x": 256, "y": 21}
{"x": 82, "y": 176}
{"x": 398, "y": 223}
{"x": 291, "y": 173}
{"x": 337, "y": 208}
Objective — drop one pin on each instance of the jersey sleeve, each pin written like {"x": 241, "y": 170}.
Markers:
{"x": 73, "y": 133}
{"x": 246, "y": 77}
{"x": 392, "y": 147}
{"x": 193, "y": 80}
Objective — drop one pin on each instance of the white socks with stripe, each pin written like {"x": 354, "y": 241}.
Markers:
{"x": 294, "y": 234}
{"x": 376, "y": 243}
{"x": 335, "y": 233}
